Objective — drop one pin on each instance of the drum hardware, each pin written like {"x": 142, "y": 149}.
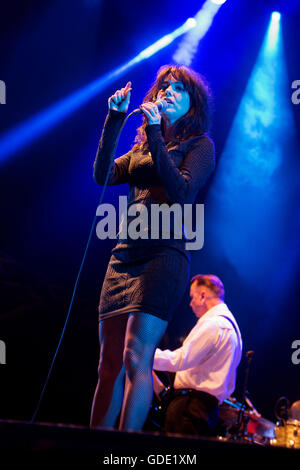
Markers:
{"x": 240, "y": 422}
{"x": 257, "y": 430}
{"x": 287, "y": 434}
{"x": 243, "y": 417}
{"x": 287, "y": 430}
{"x": 281, "y": 410}
{"x": 244, "y": 423}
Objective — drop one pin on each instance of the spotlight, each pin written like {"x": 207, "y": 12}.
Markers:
{"x": 218, "y": 2}
{"x": 276, "y": 16}
{"x": 273, "y": 33}
{"x": 191, "y": 23}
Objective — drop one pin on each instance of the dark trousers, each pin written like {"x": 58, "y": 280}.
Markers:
{"x": 192, "y": 412}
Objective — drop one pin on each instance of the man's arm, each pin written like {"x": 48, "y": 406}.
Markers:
{"x": 158, "y": 386}
{"x": 198, "y": 346}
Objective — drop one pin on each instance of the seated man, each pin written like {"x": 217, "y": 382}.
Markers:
{"x": 205, "y": 364}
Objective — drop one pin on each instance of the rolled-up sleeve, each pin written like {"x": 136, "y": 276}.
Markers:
{"x": 195, "y": 350}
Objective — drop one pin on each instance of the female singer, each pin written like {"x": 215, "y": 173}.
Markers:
{"x": 147, "y": 276}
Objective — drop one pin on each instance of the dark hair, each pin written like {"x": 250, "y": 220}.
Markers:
{"x": 197, "y": 120}
{"x": 212, "y": 282}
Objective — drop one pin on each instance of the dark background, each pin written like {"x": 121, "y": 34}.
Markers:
{"x": 48, "y": 198}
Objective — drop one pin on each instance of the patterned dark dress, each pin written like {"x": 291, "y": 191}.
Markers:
{"x": 150, "y": 274}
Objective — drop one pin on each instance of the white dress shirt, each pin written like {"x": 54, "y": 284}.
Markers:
{"x": 208, "y": 357}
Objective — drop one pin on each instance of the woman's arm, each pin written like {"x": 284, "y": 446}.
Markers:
{"x": 119, "y": 170}
{"x": 118, "y": 104}
{"x": 182, "y": 184}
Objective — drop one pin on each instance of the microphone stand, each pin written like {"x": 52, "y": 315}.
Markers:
{"x": 242, "y": 419}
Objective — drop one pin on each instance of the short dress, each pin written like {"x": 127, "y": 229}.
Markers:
{"x": 144, "y": 280}
{"x": 150, "y": 275}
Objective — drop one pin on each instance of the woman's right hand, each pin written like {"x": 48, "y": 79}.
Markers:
{"x": 120, "y": 100}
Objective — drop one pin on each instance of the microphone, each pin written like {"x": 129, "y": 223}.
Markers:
{"x": 160, "y": 103}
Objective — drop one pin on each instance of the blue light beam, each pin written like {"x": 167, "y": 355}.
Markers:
{"x": 273, "y": 32}
{"x": 188, "y": 46}
{"x": 23, "y": 134}
{"x": 249, "y": 194}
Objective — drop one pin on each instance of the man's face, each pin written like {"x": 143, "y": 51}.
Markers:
{"x": 197, "y": 300}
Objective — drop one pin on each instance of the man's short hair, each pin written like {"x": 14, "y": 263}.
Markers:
{"x": 212, "y": 282}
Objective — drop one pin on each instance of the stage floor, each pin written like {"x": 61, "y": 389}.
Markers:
{"x": 61, "y": 444}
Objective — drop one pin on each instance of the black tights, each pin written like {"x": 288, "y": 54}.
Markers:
{"x": 128, "y": 343}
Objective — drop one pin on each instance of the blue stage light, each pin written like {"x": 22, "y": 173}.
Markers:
{"x": 276, "y": 16}
{"x": 247, "y": 199}
{"x": 166, "y": 40}
{"x": 273, "y": 32}
{"x": 203, "y": 20}
{"x": 191, "y": 23}
{"x": 25, "y": 133}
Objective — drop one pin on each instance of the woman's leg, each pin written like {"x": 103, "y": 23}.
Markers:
{"x": 108, "y": 395}
{"x": 143, "y": 334}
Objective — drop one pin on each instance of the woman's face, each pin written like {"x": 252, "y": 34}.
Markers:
{"x": 177, "y": 98}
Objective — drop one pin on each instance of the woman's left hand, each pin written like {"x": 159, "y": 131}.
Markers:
{"x": 150, "y": 110}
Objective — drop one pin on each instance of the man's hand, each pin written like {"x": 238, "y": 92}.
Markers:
{"x": 158, "y": 386}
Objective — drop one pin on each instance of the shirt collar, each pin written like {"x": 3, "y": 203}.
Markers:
{"x": 219, "y": 309}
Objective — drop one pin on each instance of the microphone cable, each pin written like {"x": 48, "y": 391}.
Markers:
{"x": 79, "y": 273}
